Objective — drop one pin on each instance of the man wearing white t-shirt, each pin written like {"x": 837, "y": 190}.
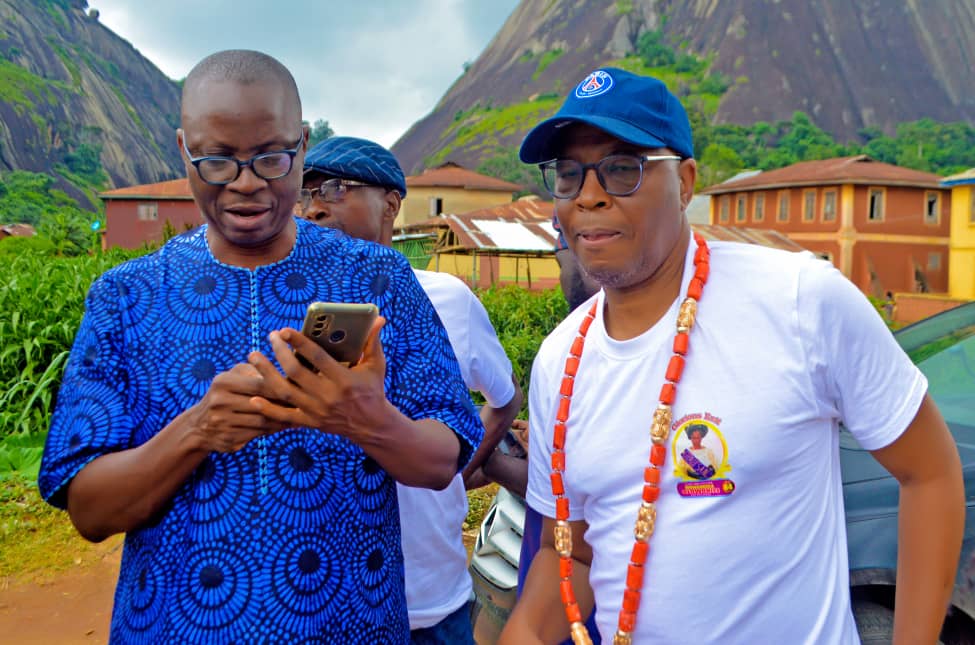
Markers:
{"x": 356, "y": 186}
{"x": 684, "y": 421}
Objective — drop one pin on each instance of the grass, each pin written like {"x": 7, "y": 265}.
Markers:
{"x": 479, "y": 127}
{"x": 547, "y": 59}
{"x": 478, "y": 502}
{"x": 38, "y": 541}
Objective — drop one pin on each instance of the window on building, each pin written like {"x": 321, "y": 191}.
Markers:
{"x": 147, "y": 212}
{"x": 932, "y": 208}
{"x": 971, "y": 206}
{"x": 934, "y": 261}
{"x": 809, "y": 206}
{"x": 829, "y": 206}
{"x": 740, "y": 209}
{"x": 725, "y": 207}
{"x": 436, "y": 206}
{"x": 759, "y": 214}
{"x": 876, "y": 205}
{"x": 783, "y": 214}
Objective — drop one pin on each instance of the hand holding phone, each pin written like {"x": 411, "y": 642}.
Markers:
{"x": 340, "y": 328}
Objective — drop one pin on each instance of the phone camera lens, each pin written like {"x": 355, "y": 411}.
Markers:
{"x": 337, "y": 336}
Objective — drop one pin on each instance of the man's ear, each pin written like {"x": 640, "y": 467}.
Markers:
{"x": 687, "y": 173}
{"x": 392, "y": 204}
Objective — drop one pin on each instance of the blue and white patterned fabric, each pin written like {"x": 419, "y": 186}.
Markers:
{"x": 295, "y": 538}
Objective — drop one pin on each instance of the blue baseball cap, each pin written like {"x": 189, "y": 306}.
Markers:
{"x": 358, "y": 159}
{"x": 636, "y": 109}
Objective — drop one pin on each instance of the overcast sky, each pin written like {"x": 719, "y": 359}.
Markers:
{"x": 371, "y": 68}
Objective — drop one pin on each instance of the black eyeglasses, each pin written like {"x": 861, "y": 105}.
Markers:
{"x": 619, "y": 175}
{"x": 220, "y": 171}
{"x": 332, "y": 190}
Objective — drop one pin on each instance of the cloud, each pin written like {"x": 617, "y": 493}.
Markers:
{"x": 371, "y": 69}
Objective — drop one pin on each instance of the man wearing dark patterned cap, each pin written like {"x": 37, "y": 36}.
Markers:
{"x": 356, "y": 185}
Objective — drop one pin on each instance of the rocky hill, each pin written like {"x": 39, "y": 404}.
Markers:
{"x": 71, "y": 89}
{"x": 847, "y": 64}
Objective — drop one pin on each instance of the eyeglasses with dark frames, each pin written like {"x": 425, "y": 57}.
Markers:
{"x": 219, "y": 170}
{"x": 618, "y": 174}
{"x": 330, "y": 191}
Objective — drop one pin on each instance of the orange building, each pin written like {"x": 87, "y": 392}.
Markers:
{"x": 885, "y": 227}
{"x": 451, "y": 188}
{"x": 137, "y": 215}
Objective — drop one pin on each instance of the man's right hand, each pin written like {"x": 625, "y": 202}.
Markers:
{"x": 225, "y": 419}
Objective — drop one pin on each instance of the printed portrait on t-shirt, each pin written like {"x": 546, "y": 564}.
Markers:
{"x": 700, "y": 455}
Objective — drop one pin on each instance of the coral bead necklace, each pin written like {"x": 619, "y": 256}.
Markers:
{"x": 659, "y": 431}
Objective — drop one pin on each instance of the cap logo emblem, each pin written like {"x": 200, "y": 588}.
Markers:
{"x": 599, "y": 82}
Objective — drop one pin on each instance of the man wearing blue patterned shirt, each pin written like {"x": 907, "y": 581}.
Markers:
{"x": 257, "y": 496}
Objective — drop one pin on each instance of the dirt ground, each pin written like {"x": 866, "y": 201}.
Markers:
{"x": 73, "y": 607}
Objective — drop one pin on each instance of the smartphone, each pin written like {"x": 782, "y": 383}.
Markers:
{"x": 340, "y": 328}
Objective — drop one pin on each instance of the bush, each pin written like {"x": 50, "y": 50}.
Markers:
{"x": 522, "y": 319}
{"x": 41, "y": 304}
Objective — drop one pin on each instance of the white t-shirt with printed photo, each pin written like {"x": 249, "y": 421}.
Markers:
{"x": 437, "y": 581}
{"x": 751, "y": 549}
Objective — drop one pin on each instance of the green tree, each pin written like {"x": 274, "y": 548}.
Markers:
{"x": 506, "y": 165}
{"x": 654, "y": 51}
{"x": 319, "y": 132}
{"x": 718, "y": 163}
{"x": 30, "y": 198}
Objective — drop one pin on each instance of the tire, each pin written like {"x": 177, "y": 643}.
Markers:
{"x": 875, "y": 623}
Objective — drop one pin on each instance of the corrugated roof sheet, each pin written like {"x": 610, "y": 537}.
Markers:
{"x": 450, "y": 175}
{"x": 172, "y": 189}
{"x": 17, "y": 230}
{"x": 859, "y": 169}
{"x": 761, "y": 237}
{"x": 525, "y": 226}
{"x": 961, "y": 179}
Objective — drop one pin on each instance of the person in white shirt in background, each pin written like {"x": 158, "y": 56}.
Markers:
{"x": 356, "y": 186}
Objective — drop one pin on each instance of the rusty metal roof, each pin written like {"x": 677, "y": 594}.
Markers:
{"x": 859, "y": 169}
{"x": 759, "y": 236}
{"x": 451, "y": 175}
{"x": 525, "y": 226}
{"x": 17, "y": 230}
{"x": 173, "y": 189}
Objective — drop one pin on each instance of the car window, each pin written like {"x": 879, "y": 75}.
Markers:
{"x": 943, "y": 347}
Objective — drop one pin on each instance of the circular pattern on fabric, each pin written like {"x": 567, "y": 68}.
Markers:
{"x": 302, "y": 478}
{"x": 215, "y": 590}
{"x": 372, "y": 277}
{"x": 288, "y": 288}
{"x": 378, "y": 577}
{"x": 92, "y": 416}
{"x": 219, "y": 499}
{"x": 307, "y": 582}
{"x": 289, "y": 285}
{"x": 137, "y": 296}
{"x": 142, "y": 590}
{"x": 372, "y": 634}
{"x": 206, "y": 305}
{"x": 188, "y": 369}
{"x": 374, "y": 492}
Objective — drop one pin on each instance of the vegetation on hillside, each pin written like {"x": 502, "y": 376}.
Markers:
{"x": 722, "y": 150}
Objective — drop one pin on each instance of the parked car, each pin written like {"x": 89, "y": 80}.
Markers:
{"x": 943, "y": 347}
